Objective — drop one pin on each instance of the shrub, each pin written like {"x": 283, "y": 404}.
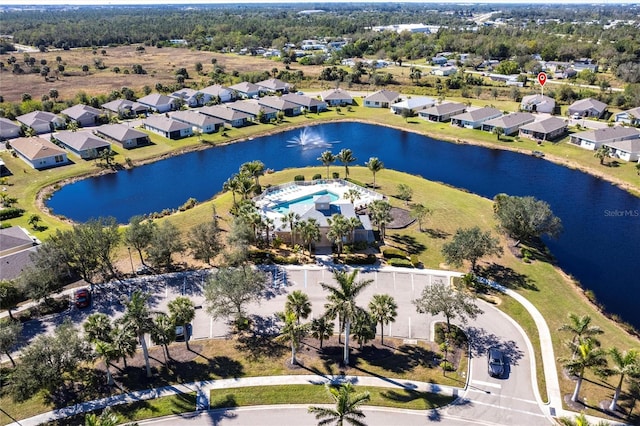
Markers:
{"x": 391, "y": 253}
{"x": 316, "y": 176}
{"x": 447, "y": 366}
{"x": 298, "y": 178}
{"x": 335, "y": 175}
{"x": 356, "y": 182}
{"x": 277, "y": 242}
{"x": 358, "y": 259}
{"x": 282, "y": 260}
{"x": 457, "y": 337}
{"x": 415, "y": 261}
{"x": 401, "y": 263}
{"x": 11, "y": 213}
{"x": 191, "y": 202}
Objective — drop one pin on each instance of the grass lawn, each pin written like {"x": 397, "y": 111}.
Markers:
{"x": 318, "y": 394}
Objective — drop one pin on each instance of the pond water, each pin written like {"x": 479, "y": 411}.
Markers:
{"x": 599, "y": 245}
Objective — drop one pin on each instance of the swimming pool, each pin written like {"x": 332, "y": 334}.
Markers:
{"x": 284, "y": 207}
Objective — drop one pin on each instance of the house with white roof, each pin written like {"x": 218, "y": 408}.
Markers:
{"x": 167, "y": 127}
{"x": 231, "y": 117}
{"x": 84, "y": 144}
{"x": 588, "y": 108}
{"x": 444, "y": 71}
{"x": 83, "y": 115}
{"x": 273, "y": 85}
{"x": 158, "y": 103}
{"x": 538, "y": 103}
{"x": 413, "y": 104}
{"x": 289, "y": 109}
{"x": 510, "y": 123}
{"x": 628, "y": 150}
{"x": 381, "y": 99}
{"x": 594, "y": 139}
{"x": 199, "y": 122}
{"x": 42, "y": 121}
{"x": 337, "y": 97}
{"x": 630, "y": 116}
{"x": 190, "y": 97}
{"x": 8, "y": 129}
{"x": 125, "y": 136}
{"x": 246, "y": 90}
{"x": 442, "y": 112}
{"x": 474, "y": 118}
{"x": 217, "y": 91}
{"x": 544, "y": 130}
{"x": 125, "y": 108}
{"x": 257, "y": 112}
{"x": 39, "y": 153}
{"x": 308, "y": 103}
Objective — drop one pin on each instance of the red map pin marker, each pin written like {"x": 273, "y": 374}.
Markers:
{"x": 542, "y": 78}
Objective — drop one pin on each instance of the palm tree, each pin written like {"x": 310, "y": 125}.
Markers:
{"x": 231, "y": 184}
{"x": 581, "y": 328}
{"x": 579, "y": 420}
{"x": 137, "y": 317}
{"x": 124, "y": 342}
{"x": 342, "y": 302}
{"x": 244, "y": 185}
{"x": 298, "y": 303}
{"x": 309, "y": 232}
{"x": 363, "y": 329}
{"x": 588, "y": 356}
{"x": 602, "y": 153}
{"x": 419, "y": 212}
{"x": 384, "y": 309}
{"x": 292, "y": 218}
{"x": 255, "y": 169}
{"x": 375, "y": 165}
{"x": 347, "y": 403}
{"x": 345, "y": 156}
{"x": 624, "y": 363}
{"x": 380, "y": 212}
{"x": 293, "y": 333}
{"x": 499, "y": 131}
{"x": 163, "y": 333}
{"x": 98, "y": 328}
{"x": 182, "y": 313}
{"x": 339, "y": 228}
{"x": 106, "y": 418}
{"x": 327, "y": 159}
{"x": 352, "y": 195}
{"x": 106, "y": 351}
{"x": 321, "y": 329}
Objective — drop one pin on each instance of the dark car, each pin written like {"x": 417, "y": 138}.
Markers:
{"x": 495, "y": 359}
{"x": 82, "y": 298}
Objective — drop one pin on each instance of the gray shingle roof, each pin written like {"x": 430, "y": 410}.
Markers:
{"x": 545, "y": 126}
{"x": 445, "y": 108}
{"x": 195, "y": 118}
{"x": 80, "y": 141}
{"x": 629, "y": 145}
{"x": 478, "y": 114}
{"x": 383, "y": 96}
{"x": 165, "y": 124}
{"x": 224, "y": 113}
{"x": 121, "y": 132}
{"x": 511, "y": 120}
{"x": 585, "y": 104}
{"x": 607, "y": 134}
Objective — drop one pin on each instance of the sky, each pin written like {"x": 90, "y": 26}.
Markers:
{"x": 310, "y": 2}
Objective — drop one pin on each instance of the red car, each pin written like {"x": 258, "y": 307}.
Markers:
{"x": 82, "y": 298}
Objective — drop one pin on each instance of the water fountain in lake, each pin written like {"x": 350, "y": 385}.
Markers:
{"x": 309, "y": 139}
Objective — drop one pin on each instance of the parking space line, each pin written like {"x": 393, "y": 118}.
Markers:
{"x": 481, "y": 383}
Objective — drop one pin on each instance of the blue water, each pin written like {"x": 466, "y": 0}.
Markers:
{"x": 599, "y": 244}
{"x": 285, "y": 206}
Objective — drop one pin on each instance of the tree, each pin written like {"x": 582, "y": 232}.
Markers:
{"x": 383, "y": 309}
{"x": 419, "y": 212}
{"x": 137, "y": 317}
{"x": 292, "y": 332}
{"x": 498, "y": 131}
{"x": 380, "y": 213}
{"x": 588, "y": 356}
{"x": 182, "y": 313}
{"x": 346, "y": 410}
{"x": 602, "y": 153}
{"x": 229, "y": 290}
{"x": 98, "y": 328}
{"x": 163, "y": 333}
{"x": 345, "y": 156}
{"x": 624, "y": 363}
{"x": 34, "y": 220}
{"x": 374, "y": 165}
{"x": 309, "y": 232}
{"x": 298, "y": 303}
{"x": 525, "y": 218}
{"x": 327, "y": 159}
{"x": 405, "y": 192}
{"x": 106, "y": 418}
{"x": 470, "y": 244}
{"x": 339, "y": 229}
{"x": 204, "y": 241}
{"x": 442, "y": 299}
{"x": 292, "y": 219}
{"x": 352, "y": 195}
{"x": 106, "y": 351}
{"x": 107, "y": 156}
{"x": 363, "y": 329}
{"x": 321, "y": 329}
{"x": 255, "y": 169}
{"x": 10, "y": 332}
{"x": 342, "y": 302}
{"x": 165, "y": 241}
{"x": 581, "y": 328}
{"x": 123, "y": 340}
{"x": 138, "y": 234}
{"x": 9, "y": 295}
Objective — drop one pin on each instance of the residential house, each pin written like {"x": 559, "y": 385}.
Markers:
{"x": 16, "y": 247}
{"x": 229, "y": 116}
{"x": 631, "y": 116}
{"x": 199, "y": 122}
{"x": 381, "y": 99}
{"x": 273, "y": 85}
{"x": 288, "y": 108}
{"x": 538, "y": 103}
{"x": 308, "y": 103}
{"x": 544, "y": 130}
{"x": 594, "y": 139}
{"x": 628, "y": 150}
{"x": 84, "y": 144}
{"x": 442, "y": 112}
{"x": 190, "y": 97}
{"x": 412, "y": 105}
{"x": 83, "y": 115}
{"x": 588, "y": 108}
{"x": 257, "y": 112}
{"x": 167, "y": 127}
{"x": 439, "y": 60}
{"x": 158, "y": 103}
{"x": 509, "y": 123}
{"x": 473, "y": 119}
{"x": 444, "y": 71}
{"x": 42, "y": 121}
{"x": 245, "y": 90}
{"x": 337, "y": 97}
{"x": 8, "y": 129}
{"x": 125, "y": 136}
{"x": 39, "y": 153}
{"x": 125, "y": 108}
{"x": 218, "y": 92}
{"x": 585, "y": 64}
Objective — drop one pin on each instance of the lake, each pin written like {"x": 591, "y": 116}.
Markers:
{"x": 599, "y": 244}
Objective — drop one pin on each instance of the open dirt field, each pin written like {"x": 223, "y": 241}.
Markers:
{"x": 160, "y": 65}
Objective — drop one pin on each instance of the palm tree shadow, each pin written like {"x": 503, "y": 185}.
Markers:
{"x": 507, "y": 277}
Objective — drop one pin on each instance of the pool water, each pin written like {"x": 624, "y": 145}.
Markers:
{"x": 284, "y": 207}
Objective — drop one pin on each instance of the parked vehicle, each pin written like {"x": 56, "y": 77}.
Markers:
{"x": 495, "y": 359}
{"x": 82, "y": 298}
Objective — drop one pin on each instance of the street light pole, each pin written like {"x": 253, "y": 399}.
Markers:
{"x": 131, "y": 260}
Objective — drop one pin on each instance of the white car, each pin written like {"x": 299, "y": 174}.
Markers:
{"x": 576, "y": 116}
